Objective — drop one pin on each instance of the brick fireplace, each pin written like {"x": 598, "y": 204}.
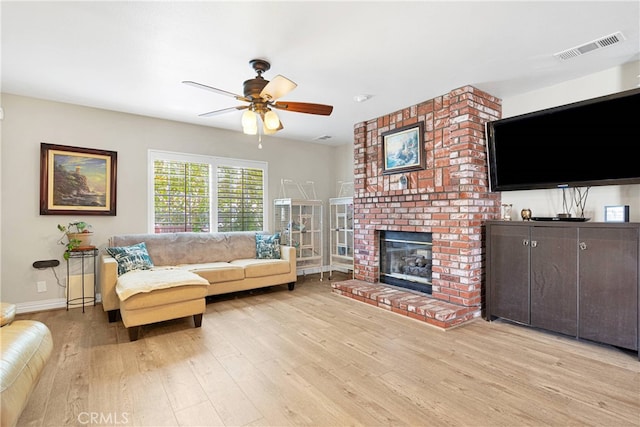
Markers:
{"x": 450, "y": 199}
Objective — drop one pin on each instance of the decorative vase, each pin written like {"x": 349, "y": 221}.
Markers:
{"x": 83, "y": 238}
{"x": 525, "y": 214}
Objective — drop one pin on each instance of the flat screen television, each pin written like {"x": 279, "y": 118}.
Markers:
{"x": 583, "y": 144}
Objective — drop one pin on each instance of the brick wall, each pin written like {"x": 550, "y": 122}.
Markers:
{"x": 449, "y": 198}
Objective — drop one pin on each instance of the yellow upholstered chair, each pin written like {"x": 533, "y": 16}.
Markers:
{"x": 25, "y": 346}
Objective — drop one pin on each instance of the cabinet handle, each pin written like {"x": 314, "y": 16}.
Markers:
{"x": 534, "y": 243}
{"x": 525, "y": 242}
{"x": 582, "y": 246}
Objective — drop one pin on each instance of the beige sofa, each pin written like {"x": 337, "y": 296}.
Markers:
{"x": 228, "y": 262}
{"x": 25, "y": 346}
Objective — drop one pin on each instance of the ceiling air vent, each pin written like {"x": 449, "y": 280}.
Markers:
{"x": 591, "y": 46}
{"x": 322, "y": 138}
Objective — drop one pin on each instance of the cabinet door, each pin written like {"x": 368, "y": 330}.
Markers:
{"x": 608, "y": 296}
{"x": 508, "y": 272}
{"x": 554, "y": 279}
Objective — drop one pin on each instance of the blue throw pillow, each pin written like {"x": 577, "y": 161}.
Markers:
{"x": 268, "y": 246}
{"x": 130, "y": 258}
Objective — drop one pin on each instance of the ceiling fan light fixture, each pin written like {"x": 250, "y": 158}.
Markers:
{"x": 250, "y": 130}
{"x": 271, "y": 120}
{"x": 261, "y": 96}
{"x": 267, "y": 131}
{"x": 249, "y": 120}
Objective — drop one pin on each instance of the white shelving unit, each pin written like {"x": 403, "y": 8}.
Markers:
{"x": 340, "y": 234}
{"x": 300, "y": 225}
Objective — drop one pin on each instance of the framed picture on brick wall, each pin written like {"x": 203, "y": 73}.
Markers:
{"x": 403, "y": 149}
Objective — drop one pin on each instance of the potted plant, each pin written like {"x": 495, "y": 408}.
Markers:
{"x": 77, "y": 234}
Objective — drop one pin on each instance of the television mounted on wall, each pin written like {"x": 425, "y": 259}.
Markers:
{"x": 587, "y": 143}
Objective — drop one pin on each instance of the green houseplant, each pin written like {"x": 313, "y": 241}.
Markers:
{"x": 77, "y": 234}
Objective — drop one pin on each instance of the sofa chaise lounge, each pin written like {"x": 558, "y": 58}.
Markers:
{"x": 170, "y": 274}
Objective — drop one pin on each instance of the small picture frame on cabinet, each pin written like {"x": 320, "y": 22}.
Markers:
{"x": 618, "y": 213}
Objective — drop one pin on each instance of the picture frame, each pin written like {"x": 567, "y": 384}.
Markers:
{"x": 403, "y": 149}
{"x": 76, "y": 180}
{"x": 617, "y": 213}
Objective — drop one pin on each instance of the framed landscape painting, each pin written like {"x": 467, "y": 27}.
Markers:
{"x": 402, "y": 149}
{"x": 75, "y": 180}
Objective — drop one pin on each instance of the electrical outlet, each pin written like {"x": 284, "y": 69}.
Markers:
{"x": 42, "y": 286}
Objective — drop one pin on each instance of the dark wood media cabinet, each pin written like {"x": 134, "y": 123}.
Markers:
{"x": 575, "y": 278}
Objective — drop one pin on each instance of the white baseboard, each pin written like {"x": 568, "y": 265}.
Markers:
{"x": 47, "y": 304}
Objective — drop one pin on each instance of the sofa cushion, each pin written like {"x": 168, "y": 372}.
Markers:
{"x": 216, "y": 272}
{"x": 168, "y": 249}
{"x": 263, "y": 267}
{"x": 268, "y": 246}
{"x": 129, "y": 258}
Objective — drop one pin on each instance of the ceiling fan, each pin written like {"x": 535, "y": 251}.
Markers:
{"x": 262, "y": 98}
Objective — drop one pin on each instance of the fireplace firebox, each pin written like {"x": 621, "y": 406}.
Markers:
{"x": 406, "y": 259}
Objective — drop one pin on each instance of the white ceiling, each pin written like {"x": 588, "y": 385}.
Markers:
{"x": 133, "y": 56}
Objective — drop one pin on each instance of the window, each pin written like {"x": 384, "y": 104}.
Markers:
{"x": 240, "y": 199}
{"x": 205, "y": 194}
{"x": 182, "y": 200}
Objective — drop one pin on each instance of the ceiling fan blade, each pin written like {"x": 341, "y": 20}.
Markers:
{"x": 304, "y": 107}
{"x": 216, "y": 90}
{"x": 278, "y": 87}
{"x": 224, "y": 110}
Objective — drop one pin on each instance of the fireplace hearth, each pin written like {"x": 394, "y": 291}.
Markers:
{"x": 406, "y": 260}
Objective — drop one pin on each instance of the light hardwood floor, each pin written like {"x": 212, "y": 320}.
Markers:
{"x": 313, "y": 358}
